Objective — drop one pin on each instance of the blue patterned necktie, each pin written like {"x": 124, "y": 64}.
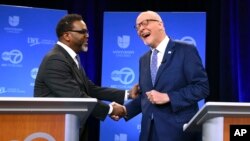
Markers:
{"x": 153, "y": 65}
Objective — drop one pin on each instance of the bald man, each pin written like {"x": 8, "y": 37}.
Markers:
{"x": 172, "y": 80}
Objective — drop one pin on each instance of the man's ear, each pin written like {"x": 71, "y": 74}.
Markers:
{"x": 66, "y": 36}
{"x": 161, "y": 25}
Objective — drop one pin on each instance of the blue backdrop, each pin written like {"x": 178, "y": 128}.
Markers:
{"x": 121, "y": 51}
{"x": 26, "y": 35}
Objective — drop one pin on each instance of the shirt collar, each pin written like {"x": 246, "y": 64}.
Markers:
{"x": 68, "y": 49}
{"x": 163, "y": 45}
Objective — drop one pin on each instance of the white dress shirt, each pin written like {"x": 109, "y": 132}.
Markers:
{"x": 161, "y": 50}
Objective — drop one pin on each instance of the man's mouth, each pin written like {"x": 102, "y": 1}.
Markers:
{"x": 145, "y": 34}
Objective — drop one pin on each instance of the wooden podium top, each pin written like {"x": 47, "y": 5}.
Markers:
{"x": 54, "y": 119}
{"x": 217, "y": 109}
{"x": 45, "y": 105}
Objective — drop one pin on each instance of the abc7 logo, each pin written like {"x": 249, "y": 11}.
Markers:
{"x": 14, "y": 56}
{"x": 125, "y": 75}
{"x": 188, "y": 39}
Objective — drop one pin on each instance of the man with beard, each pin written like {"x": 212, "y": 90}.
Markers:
{"x": 61, "y": 74}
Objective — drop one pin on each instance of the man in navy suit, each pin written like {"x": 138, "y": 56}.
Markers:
{"x": 172, "y": 80}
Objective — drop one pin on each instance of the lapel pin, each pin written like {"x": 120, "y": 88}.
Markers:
{"x": 169, "y": 52}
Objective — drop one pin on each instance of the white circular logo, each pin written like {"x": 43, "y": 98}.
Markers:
{"x": 14, "y": 56}
{"x": 188, "y": 39}
{"x": 33, "y": 73}
{"x": 42, "y": 135}
{"x": 125, "y": 75}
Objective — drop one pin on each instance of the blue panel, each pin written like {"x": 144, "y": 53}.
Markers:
{"x": 26, "y": 35}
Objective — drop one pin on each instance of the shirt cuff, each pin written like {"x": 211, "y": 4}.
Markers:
{"x": 126, "y": 95}
{"x": 110, "y": 109}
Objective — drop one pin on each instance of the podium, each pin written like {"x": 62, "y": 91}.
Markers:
{"x": 215, "y": 118}
{"x": 50, "y": 119}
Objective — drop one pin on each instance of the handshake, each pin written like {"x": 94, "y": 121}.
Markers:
{"x": 120, "y": 111}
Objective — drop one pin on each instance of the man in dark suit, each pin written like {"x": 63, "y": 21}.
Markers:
{"x": 176, "y": 82}
{"x": 61, "y": 74}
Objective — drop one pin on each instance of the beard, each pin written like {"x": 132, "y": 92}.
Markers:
{"x": 84, "y": 47}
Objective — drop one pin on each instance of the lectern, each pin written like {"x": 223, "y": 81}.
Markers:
{"x": 50, "y": 119}
{"x": 215, "y": 118}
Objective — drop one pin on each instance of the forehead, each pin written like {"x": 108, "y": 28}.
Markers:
{"x": 144, "y": 16}
{"x": 79, "y": 25}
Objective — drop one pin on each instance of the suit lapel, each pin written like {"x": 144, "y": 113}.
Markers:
{"x": 79, "y": 73}
{"x": 146, "y": 70}
{"x": 166, "y": 59}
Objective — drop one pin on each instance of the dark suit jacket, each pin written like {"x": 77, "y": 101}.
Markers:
{"x": 58, "y": 76}
{"x": 182, "y": 76}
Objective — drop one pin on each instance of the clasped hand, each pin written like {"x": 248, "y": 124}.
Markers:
{"x": 156, "y": 97}
{"x": 134, "y": 91}
{"x": 118, "y": 112}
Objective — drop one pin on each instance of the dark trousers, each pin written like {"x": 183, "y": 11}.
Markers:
{"x": 152, "y": 132}
{"x": 90, "y": 130}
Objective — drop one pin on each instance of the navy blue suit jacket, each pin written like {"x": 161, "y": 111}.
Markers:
{"x": 182, "y": 76}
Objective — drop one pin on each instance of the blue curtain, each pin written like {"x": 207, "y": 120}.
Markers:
{"x": 228, "y": 60}
{"x": 240, "y": 42}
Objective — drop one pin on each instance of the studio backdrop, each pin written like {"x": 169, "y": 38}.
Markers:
{"x": 27, "y": 34}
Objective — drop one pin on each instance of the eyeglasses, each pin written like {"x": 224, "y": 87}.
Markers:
{"x": 83, "y": 31}
{"x": 144, "y": 23}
